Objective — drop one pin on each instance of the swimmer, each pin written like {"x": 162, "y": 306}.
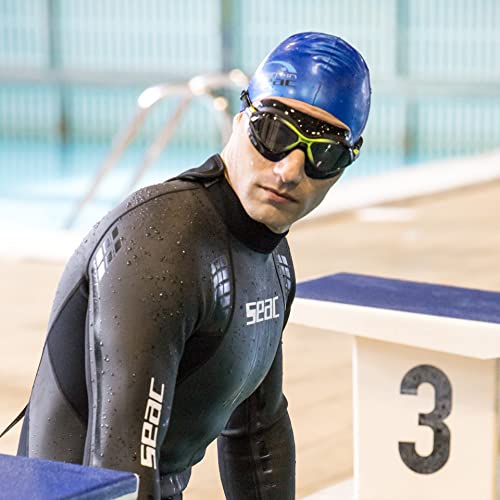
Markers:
{"x": 166, "y": 329}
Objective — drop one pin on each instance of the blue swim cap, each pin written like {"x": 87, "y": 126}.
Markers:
{"x": 319, "y": 69}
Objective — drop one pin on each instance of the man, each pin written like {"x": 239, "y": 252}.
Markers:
{"x": 165, "y": 332}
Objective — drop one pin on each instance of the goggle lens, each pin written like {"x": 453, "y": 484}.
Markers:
{"x": 275, "y": 135}
{"x": 329, "y": 158}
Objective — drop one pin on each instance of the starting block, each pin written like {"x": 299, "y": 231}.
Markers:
{"x": 425, "y": 383}
{"x": 24, "y": 478}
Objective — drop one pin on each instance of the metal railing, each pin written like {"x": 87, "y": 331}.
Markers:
{"x": 202, "y": 86}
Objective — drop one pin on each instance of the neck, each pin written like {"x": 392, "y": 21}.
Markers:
{"x": 252, "y": 233}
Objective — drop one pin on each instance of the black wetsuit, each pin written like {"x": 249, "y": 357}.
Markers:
{"x": 165, "y": 334}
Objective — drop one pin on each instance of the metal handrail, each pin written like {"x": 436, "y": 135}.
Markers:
{"x": 199, "y": 86}
{"x": 160, "y": 141}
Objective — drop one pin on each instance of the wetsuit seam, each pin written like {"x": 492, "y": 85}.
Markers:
{"x": 283, "y": 289}
{"x": 233, "y": 280}
{"x": 255, "y": 354}
{"x": 126, "y": 212}
{"x": 56, "y": 377}
{"x": 70, "y": 404}
{"x": 230, "y": 316}
{"x": 65, "y": 303}
{"x": 229, "y": 247}
{"x": 47, "y": 339}
{"x": 252, "y": 438}
{"x": 87, "y": 447}
{"x": 291, "y": 293}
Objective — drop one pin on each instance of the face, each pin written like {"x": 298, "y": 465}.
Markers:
{"x": 274, "y": 193}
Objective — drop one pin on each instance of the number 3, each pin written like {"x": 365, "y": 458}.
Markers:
{"x": 441, "y": 449}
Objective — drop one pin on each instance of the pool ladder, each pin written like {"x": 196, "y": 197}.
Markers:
{"x": 199, "y": 86}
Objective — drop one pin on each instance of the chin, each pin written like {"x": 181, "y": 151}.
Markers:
{"x": 276, "y": 219}
{"x": 275, "y": 222}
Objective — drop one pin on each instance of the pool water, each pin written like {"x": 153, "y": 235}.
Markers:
{"x": 40, "y": 184}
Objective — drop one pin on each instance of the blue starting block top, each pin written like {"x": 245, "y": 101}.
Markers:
{"x": 31, "y": 478}
{"x": 406, "y": 296}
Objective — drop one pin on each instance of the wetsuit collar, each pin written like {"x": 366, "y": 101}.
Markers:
{"x": 251, "y": 233}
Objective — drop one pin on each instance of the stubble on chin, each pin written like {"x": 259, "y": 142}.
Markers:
{"x": 275, "y": 218}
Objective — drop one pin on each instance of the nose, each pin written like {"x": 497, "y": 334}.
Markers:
{"x": 290, "y": 169}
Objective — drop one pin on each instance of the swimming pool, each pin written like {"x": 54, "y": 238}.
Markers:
{"x": 41, "y": 183}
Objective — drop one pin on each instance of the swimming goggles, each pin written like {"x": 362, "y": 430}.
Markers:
{"x": 276, "y": 130}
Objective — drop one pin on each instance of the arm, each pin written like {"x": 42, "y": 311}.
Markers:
{"x": 257, "y": 450}
{"x": 140, "y": 316}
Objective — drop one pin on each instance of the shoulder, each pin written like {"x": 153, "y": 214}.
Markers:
{"x": 180, "y": 201}
{"x": 161, "y": 200}
{"x": 158, "y": 216}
